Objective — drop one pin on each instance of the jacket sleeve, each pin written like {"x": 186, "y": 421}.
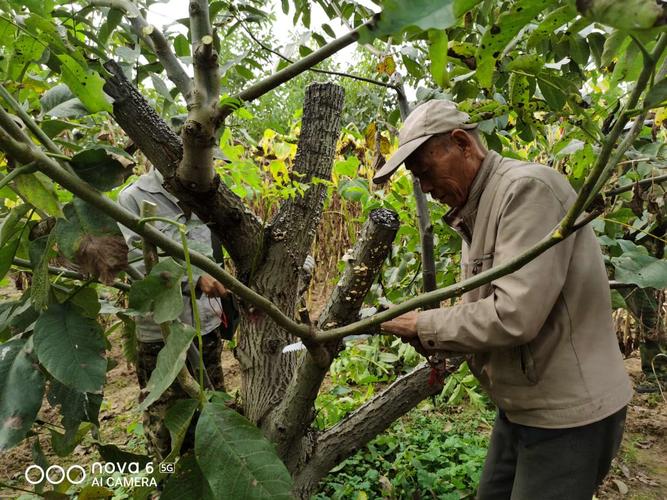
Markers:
{"x": 520, "y": 302}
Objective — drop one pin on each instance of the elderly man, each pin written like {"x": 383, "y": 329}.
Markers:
{"x": 541, "y": 339}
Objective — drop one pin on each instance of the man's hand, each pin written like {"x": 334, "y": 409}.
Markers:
{"x": 211, "y": 286}
{"x": 404, "y": 326}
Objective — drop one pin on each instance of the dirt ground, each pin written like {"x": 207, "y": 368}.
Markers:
{"x": 638, "y": 473}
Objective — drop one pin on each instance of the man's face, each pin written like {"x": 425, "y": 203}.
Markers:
{"x": 443, "y": 169}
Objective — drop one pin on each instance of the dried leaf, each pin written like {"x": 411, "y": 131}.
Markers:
{"x": 102, "y": 257}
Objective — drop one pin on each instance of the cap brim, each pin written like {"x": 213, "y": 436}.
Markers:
{"x": 399, "y": 157}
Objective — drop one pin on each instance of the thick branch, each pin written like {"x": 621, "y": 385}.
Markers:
{"x": 26, "y": 153}
{"x": 237, "y": 227}
{"x": 292, "y": 419}
{"x": 156, "y": 41}
{"x": 289, "y": 237}
{"x": 355, "y": 431}
{"x": 294, "y": 224}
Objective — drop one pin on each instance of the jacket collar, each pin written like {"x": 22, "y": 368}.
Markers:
{"x": 152, "y": 181}
{"x": 463, "y": 218}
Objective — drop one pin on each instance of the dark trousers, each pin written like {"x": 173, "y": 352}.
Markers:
{"x": 528, "y": 463}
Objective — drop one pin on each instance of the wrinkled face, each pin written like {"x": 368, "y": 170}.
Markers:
{"x": 445, "y": 167}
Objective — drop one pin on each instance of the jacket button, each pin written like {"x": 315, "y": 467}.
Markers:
{"x": 431, "y": 343}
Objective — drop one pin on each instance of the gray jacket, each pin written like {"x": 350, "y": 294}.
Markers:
{"x": 149, "y": 187}
{"x": 543, "y": 340}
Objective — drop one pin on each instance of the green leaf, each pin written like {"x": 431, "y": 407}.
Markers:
{"x": 527, "y": 63}
{"x": 71, "y": 347}
{"x": 177, "y": 420}
{"x": 182, "y": 46}
{"x": 85, "y": 83}
{"x": 552, "y": 21}
{"x": 553, "y": 89}
{"x": 21, "y": 392}
{"x": 113, "y": 454}
{"x": 170, "y": 360}
{"x": 27, "y": 49}
{"x": 7, "y": 253}
{"x": 657, "y": 95}
{"x": 328, "y": 30}
{"x": 75, "y": 406}
{"x": 159, "y": 292}
{"x": 64, "y": 444}
{"x": 437, "y": 52}
{"x": 54, "y": 127}
{"x": 642, "y": 270}
{"x": 425, "y": 14}
{"x": 102, "y": 168}
{"x": 625, "y": 15}
{"x": 614, "y": 46}
{"x": 188, "y": 482}
{"x": 500, "y": 33}
{"x": 236, "y": 458}
{"x": 40, "y": 192}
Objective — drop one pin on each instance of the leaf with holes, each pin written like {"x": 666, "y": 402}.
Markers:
{"x": 170, "y": 360}
{"x": 71, "y": 347}
{"x": 85, "y": 83}
{"x": 500, "y": 33}
{"x": 236, "y": 458}
{"x": 642, "y": 270}
{"x": 21, "y": 391}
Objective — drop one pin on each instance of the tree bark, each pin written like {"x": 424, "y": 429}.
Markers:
{"x": 291, "y": 420}
{"x": 266, "y": 371}
{"x": 239, "y": 230}
{"x": 355, "y": 431}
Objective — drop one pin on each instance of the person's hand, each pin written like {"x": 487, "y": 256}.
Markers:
{"x": 404, "y": 326}
{"x": 211, "y": 286}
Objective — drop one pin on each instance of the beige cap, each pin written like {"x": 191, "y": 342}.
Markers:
{"x": 425, "y": 121}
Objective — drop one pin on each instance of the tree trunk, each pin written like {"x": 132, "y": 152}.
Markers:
{"x": 266, "y": 371}
{"x": 291, "y": 420}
